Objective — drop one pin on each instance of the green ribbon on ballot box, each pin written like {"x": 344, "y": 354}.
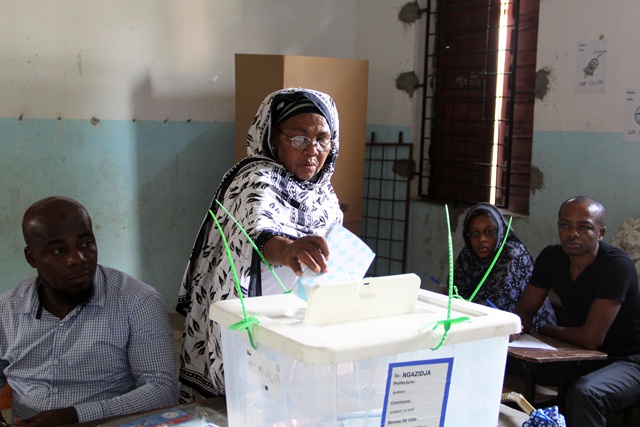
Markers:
{"x": 249, "y": 321}
{"x": 453, "y": 291}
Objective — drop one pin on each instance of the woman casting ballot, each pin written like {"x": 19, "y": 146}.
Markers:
{"x": 282, "y": 195}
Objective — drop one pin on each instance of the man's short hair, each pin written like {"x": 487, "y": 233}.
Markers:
{"x": 586, "y": 199}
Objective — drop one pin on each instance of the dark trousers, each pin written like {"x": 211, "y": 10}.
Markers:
{"x": 611, "y": 388}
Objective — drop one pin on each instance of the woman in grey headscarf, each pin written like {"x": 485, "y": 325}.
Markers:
{"x": 282, "y": 195}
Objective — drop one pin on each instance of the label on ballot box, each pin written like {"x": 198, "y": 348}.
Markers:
{"x": 407, "y": 385}
{"x": 168, "y": 418}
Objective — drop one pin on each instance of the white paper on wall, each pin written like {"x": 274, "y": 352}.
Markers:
{"x": 632, "y": 116}
{"x": 591, "y": 66}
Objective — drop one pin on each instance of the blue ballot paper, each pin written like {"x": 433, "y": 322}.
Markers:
{"x": 349, "y": 259}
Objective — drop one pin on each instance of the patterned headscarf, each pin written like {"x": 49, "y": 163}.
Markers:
{"x": 508, "y": 277}
{"x": 469, "y": 268}
{"x": 497, "y": 219}
{"x": 284, "y": 104}
{"x": 267, "y": 200}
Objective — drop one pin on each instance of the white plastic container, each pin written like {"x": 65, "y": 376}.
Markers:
{"x": 373, "y": 372}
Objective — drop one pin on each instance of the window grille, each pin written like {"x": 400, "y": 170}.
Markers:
{"x": 478, "y": 97}
{"x": 388, "y": 171}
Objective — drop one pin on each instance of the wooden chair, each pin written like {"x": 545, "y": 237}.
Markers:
{"x": 627, "y": 415}
{"x": 6, "y": 397}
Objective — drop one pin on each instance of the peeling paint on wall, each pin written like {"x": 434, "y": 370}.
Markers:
{"x": 456, "y": 217}
{"x": 405, "y": 168}
{"x": 537, "y": 179}
{"x": 408, "y": 82}
{"x": 410, "y": 13}
{"x": 542, "y": 82}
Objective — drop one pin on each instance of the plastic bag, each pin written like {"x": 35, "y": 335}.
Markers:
{"x": 547, "y": 417}
{"x": 192, "y": 415}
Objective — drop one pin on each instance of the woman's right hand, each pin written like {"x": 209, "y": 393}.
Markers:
{"x": 312, "y": 251}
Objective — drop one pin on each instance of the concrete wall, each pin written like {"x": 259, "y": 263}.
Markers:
{"x": 128, "y": 107}
{"x": 579, "y": 142}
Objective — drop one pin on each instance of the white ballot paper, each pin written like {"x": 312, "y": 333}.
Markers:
{"x": 527, "y": 341}
{"x": 349, "y": 259}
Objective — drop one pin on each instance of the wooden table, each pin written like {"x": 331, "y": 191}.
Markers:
{"x": 532, "y": 359}
{"x": 508, "y": 417}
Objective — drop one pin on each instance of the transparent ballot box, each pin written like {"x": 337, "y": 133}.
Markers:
{"x": 367, "y": 353}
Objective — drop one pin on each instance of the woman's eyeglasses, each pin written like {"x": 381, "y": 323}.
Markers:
{"x": 300, "y": 142}
{"x": 475, "y": 234}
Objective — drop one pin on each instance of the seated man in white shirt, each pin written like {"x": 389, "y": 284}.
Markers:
{"x": 80, "y": 341}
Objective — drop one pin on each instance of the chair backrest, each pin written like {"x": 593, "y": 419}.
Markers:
{"x": 6, "y": 397}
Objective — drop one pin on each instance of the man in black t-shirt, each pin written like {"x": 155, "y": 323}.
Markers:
{"x": 598, "y": 287}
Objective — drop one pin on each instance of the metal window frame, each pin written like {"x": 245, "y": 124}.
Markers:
{"x": 389, "y": 168}
{"x": 429, "y": 96}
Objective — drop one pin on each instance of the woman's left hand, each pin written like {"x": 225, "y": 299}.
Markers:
{"x": 312, "y": 251}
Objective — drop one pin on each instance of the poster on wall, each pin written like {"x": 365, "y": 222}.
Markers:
{"x": 591, "y": 67}
{"x": 632, "y": 116}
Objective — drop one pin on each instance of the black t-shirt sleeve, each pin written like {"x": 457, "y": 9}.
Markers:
{"x": 618, "y": 274}
{"x": 544, "y": 267}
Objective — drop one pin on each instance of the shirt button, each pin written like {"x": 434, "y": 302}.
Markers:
{"x": 55, "y": 361}
{"x": 55, "y": 389}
